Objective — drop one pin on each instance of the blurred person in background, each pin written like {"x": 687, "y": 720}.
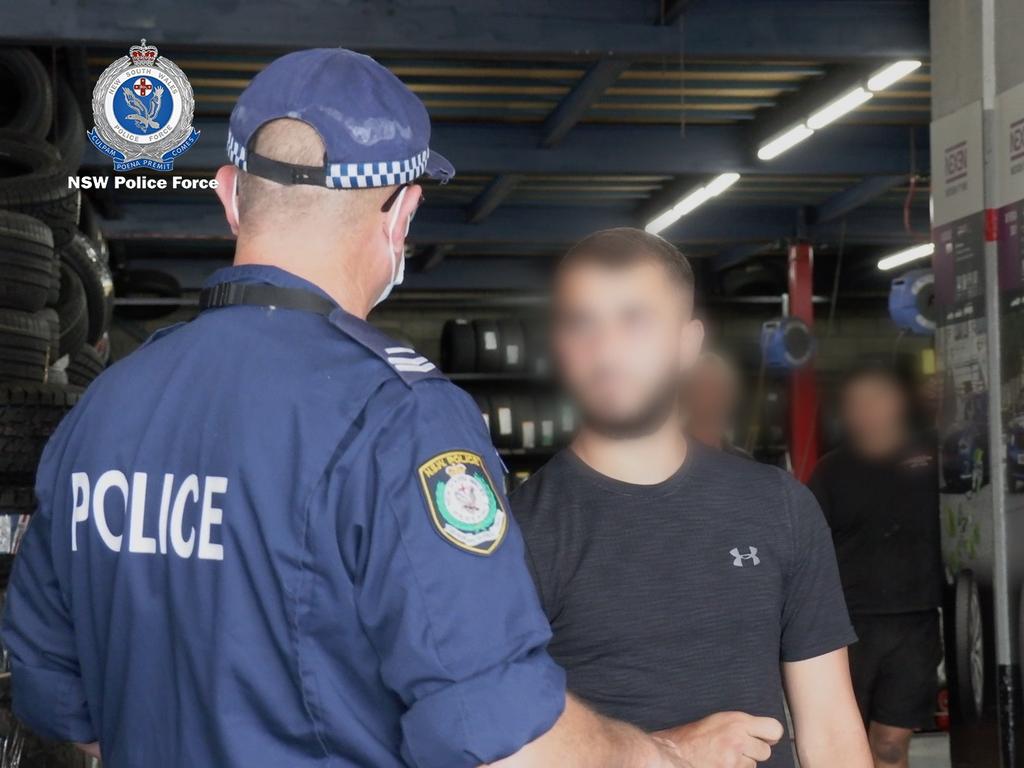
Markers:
{"x": 711, "y": 396}
{"x": 879, "y": 492}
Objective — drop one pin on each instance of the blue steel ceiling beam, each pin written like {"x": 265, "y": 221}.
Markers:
{"x": 563, "y": 118}
{"x": 718, "y": 224}
{"x": 724, "y": 29}
{"x": 852, "y": 198}
{"x": 842, "y": 150}
{"x": 575, "y": 105}
{"x": 493, "y": 195}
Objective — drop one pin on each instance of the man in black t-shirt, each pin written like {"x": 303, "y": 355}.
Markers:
{"x": 680, "y": 581}
{"x": 880, "y": 494}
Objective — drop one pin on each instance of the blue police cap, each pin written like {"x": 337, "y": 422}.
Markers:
{"x": 376, "y": 131}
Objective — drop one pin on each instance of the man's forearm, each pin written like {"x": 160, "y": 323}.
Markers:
{"x": 838, "y": 748}
{"x": 584, "y": 739}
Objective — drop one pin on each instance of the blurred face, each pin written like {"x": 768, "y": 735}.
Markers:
{"x": 622, "y": 338}
{"x": 874, "y": 413}
{"x": 711, "y": 395}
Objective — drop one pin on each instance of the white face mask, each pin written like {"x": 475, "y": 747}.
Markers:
{"x": 397, "y": 258}
{"x": 234, "y": 201}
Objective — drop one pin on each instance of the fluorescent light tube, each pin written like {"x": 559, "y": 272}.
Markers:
{"x": 721, "y": 183}
{"x": 892, "y": 73}
{"x": 836, "y": 109}
{"x": 789, "y": 139}
{"x": 693, "y": 200}
{"x": 905, "y": 257}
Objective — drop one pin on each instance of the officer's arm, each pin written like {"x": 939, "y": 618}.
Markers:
{"x": 46, "y": 682}
{"x": 444, "y": 595}
{"x": 583, "y": 739}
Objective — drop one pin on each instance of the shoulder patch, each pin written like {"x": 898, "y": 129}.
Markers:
{"x": 464, "y": 507}
{"x": 406, "y": 362}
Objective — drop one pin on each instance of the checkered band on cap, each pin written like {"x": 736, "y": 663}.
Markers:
{"x": 236, "y": 152}
{"x": 355, "y": 175}
{"x": 383, "y": 174}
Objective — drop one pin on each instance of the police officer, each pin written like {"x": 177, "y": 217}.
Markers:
{"x": 273, "y": 536}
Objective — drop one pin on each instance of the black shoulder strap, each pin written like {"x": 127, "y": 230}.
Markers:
{"x": 262, "y": 295}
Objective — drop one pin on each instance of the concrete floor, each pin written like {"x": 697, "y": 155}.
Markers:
{"x": 930, "y": 750}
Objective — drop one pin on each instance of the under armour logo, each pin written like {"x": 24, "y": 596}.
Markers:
{"x": 737, "y": 558}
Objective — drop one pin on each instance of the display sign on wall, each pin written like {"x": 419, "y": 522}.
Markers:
{"x": 958, "y": 202}
{"x": 958, "y": 232}
{"x": 1009, "y": 156}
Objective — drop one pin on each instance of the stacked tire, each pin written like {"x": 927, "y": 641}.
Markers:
{"x": 56, "y": 292}
{"x": 526, "y": 422}
{"x": 507, "y": 346}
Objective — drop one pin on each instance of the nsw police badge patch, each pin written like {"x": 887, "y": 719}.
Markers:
{"x": 142, "y": 106}
{"x": 464, "y": 507}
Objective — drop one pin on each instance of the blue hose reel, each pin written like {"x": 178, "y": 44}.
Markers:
{"x": 912, "y": 301}
{"x": 787, "y": 343}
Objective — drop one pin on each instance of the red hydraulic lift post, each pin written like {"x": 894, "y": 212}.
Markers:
{"x": 803, "y": 390}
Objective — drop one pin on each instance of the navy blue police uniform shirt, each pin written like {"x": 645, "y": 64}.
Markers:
{"x": 673, "y": 601}
{"x": 270, "y": 538}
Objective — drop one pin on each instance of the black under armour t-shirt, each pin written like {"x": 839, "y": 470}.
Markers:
{"x": 673, "y": 601}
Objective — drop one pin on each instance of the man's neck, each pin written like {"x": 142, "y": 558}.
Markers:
{"x": 646, "y": 460}
{"x": 880, "y": 447}
{"x": 334, "y": 274}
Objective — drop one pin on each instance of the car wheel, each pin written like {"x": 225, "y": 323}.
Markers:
{"x": 970, "y": 647}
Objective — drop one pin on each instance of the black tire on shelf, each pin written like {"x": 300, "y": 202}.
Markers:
{"x": 513, "y": 346}
{"x": 31, "y": 182}
{"x": 74, "y": 319}
{"x": 488, "y": 346}
{"x": 458, "y": 347}
{"x": 24, "y": 346}
{"x": 29, "y": 414}
{"x": 53, "y": 323}
{"x": 89, "y": 225}
{"x": 27, "y": 262}
{"x": 969, "y": 647}
{"x": 27, "y": 106}
{"x": 85, "y": 365}
{"x": 68, "y": 133}
{"x": 538, "y": 356}
{"x": 17, "y": 499}
{"x": 527, "y": 436}
{"x": 503, "y": 421}
{"x": 84, "y": 258}
{"x": 547, "y": 418}
{"x": 565, "y": 421}
{"x": 141, "y": 283}
{"x": 483, "y": 402}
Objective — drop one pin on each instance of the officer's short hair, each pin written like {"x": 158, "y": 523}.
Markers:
{"x": 298, "y": 143}
{"x": 623, "y": 247}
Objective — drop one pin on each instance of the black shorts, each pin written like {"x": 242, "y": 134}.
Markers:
{"x": 894, "y": 665}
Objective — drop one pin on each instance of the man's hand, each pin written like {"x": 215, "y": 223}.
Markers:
{"x": 726, "y": 740}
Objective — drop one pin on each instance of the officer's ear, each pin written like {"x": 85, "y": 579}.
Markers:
{"x": 406, "y": 211}
{"x": 227, "y": 192}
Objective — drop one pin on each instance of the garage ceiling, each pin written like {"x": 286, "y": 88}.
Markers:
{"x": 566, "y": 116}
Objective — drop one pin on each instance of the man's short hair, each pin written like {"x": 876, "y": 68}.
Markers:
{"x": 623, "y": 247}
